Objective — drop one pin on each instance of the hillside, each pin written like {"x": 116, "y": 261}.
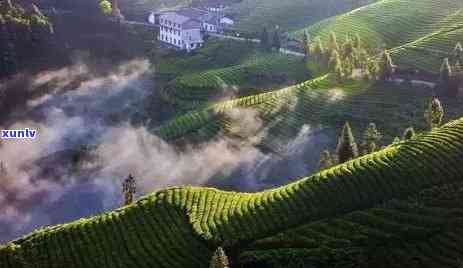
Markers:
{"x": 320, "y": 103}
{"x": 253, "y": 15}
{"x": 259, "y": 72}
{"x": 180, "y": 227}
{"x": 419, "y": 33}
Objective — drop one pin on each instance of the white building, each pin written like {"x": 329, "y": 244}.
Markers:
{"x": 184, "y": 28}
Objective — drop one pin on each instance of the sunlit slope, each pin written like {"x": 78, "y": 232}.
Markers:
{"x": 258, "y": 73}
{"x": 253, "y": 15}
{"x": 179, "y": 227}
{"x": 395, "y": 23}
{"x": 424, "y": 230}
{"x": 427, "y": 52}
{"x": 320, "y": 103}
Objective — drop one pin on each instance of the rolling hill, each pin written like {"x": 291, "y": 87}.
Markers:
{"x": 260, "y": 72}
{"x": 181, "y": 226}
{"x": 320, "y": 103}
{"x": 418, "y": 33}
{"x": 253, "y": 15}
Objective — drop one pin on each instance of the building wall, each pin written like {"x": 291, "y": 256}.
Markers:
{"x": 212, "y": 28}
{"x": 192, "y": 38}
{"x": 170, "y": 32}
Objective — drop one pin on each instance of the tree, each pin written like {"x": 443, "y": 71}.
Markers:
{"x": 219, "y": 259}
{"x": 333, "y": 42}
{"x": 409, "y": 133}
{"x": 106, "y": 7}
{"x": 371, "y": 138}
{"x": 386, "y": 67}
{"x": 326, "y": 160}
{"x": 434, "y": 114}
{"x": 458, "y": 52}
{"x": 348, "y": 48}
{"x": 129, "y": 189}
{"x": 264, "y": 41}
{"x": 335, "y": 65}
{"x": 445, "y": 72}
{"x": 306, "y": 45}
{"x": 276, "y": 39}
{"x": 347, "y": 148}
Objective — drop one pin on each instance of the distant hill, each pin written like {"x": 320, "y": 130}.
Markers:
{"x": 337, "y": 212}
{"x": 418, "y": 33}
{"x": 253, "y": 15}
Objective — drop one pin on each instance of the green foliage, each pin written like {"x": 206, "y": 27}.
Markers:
{"x": 386, "y": 66}
{"x": 409, "y": 133}
{"x": 434, "y": 114}
{"x": 347, "y": 147}
{"x": 326, "y": 160}
{"x": 105, "y": 7}
{"x": 181, "y": 226}
{"x": 371, "y": 138}
{"x": 219, "y": 259}
{"x": 129, "y": 188}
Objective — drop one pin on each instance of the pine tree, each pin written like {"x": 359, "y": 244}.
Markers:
{"x": 386, "y": 67}
{"x": 319, "y": 49}
{"x": 264, "y": 41}
{"x": 445, "y": 72}
{"x": 276, "y": 40}
{"x": 129, "y": 189}
{"x": 409, "y": 133}
{"x": 348, "y": 48}
{"x": 458, "y": 52}
{"x": 219, "y": 259}
{"x": 333, "y": 42}
{"x": 306, "y": 45}
{"x": 371, "y": 138}
{"x": 434, "y": 114}
{"x": 347, "y": 147}
{"x": 326, "y": 160}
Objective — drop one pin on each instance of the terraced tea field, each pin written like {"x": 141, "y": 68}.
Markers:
{"x": 319, "y": 103}
{"x": 259, "y": 72}
{"x": 419, "y": 33}
{"x": 182, "y": 226}
{"x": 253, "y": 15}
{"x": 422, "y": 231}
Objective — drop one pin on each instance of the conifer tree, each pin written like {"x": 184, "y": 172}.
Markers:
{"x": 371, "y": 138}
{"x": 347, "y": 147}
{"x": 219, "y": 259}
{"x": 396, "y": 140}
{"x": 326, "y": 160}
{"x": 357, "y": 42}
{"x": 386, "y": 66}
{"x": 458, "y": 52}
{"x": 333, "y": 42}
{"x": 347, "y": 48}
{"x": 445, "y": 72}
{"x": 319, "y": 49}
{"x": 306, "y": 45}
{"x": 129, "y": 189}
{"x": 434, "y": 114}
{"x": 409, "y": 133}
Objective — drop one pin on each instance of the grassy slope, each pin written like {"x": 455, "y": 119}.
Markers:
{"x": 253, "y": 15}
{"x": 260, "y": 71}
{"x": 179, "y": 227}
{"x": 425, "y": 25}
{"x": 421, "y": 231}
{"x": 318, "y": 102}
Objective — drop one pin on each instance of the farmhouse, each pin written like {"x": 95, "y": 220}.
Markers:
{"x": 184, "y": 29}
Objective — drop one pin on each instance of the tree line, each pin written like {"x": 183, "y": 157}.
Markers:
{"x": 347, "y": 148}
